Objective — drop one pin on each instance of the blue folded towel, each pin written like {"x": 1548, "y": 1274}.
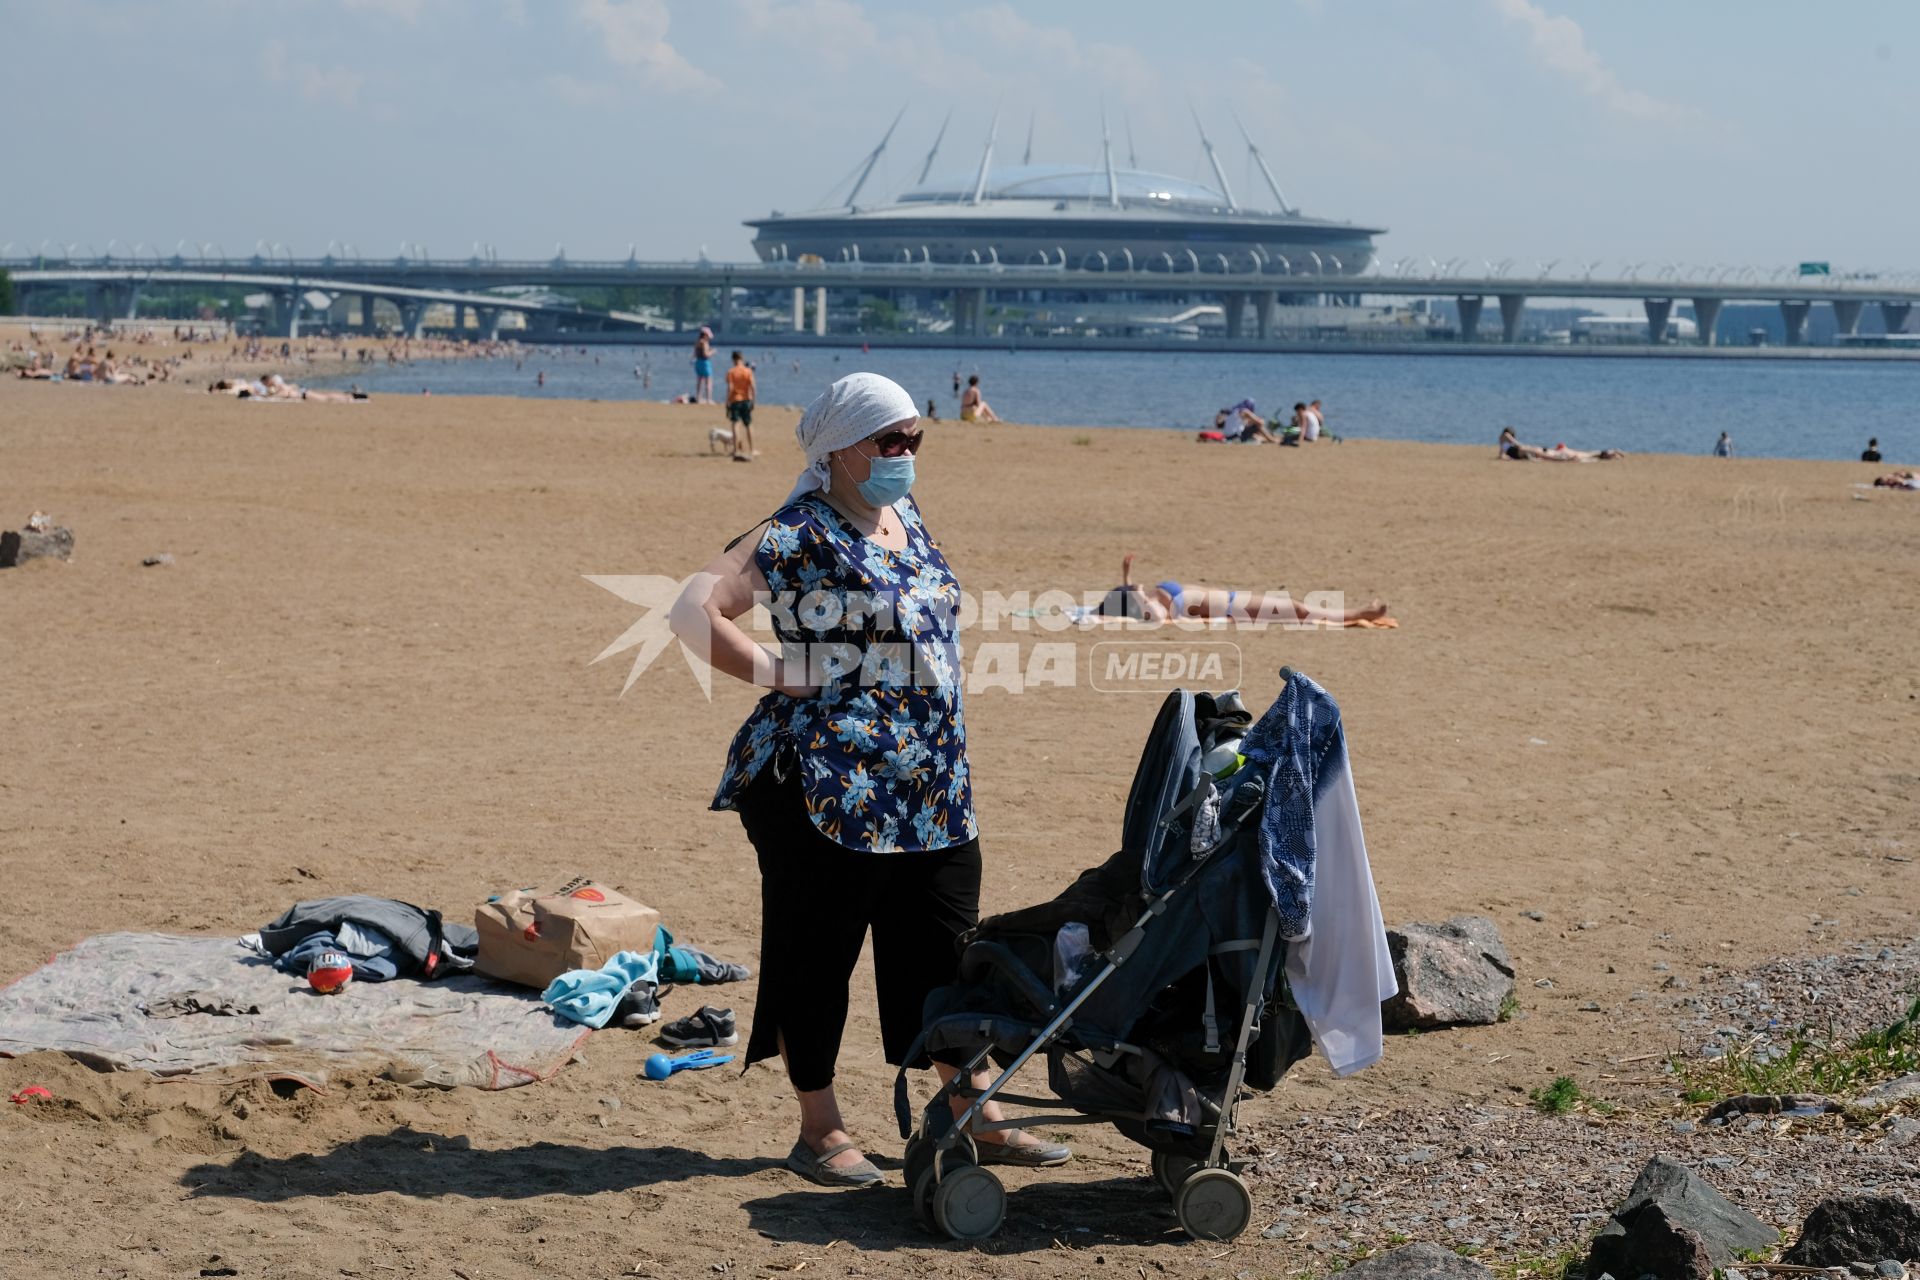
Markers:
{"x": 588, "y": 996}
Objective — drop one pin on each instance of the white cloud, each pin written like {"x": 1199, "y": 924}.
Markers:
{"x": 405, "y": 10}
{"x": 1561, "y": 46}
{"x": 581, "y": 93}
{"x": 1022, "y": 47}
{"x": 1002, "y": 24}
{"x": 829, "y": 26}
{"x": 337, "y": 85}
{"x": 635, "y": 35}
{"x": 330, "y": 84}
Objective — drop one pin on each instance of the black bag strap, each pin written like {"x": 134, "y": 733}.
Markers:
{"x": 430, "y": 967}
{"x": 760, "y": 523}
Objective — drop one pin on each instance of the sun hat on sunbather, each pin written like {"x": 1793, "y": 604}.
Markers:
{"x": 843, "y": 415}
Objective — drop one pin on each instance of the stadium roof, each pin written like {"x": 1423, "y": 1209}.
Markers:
{"x": 1069, "y": 182}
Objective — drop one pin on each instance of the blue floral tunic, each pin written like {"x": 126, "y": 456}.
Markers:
{"x": 882, "y": 748}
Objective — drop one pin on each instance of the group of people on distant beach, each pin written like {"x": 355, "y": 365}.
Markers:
{"x": 86, "y": 364}
{"x": 1244, "y": 424}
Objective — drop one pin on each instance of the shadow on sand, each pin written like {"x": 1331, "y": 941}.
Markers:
{"x": 415, "y": 1162}
{"x": 1044, "y": 1215}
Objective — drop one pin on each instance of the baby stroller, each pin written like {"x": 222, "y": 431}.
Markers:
{"x": 1153, "y": 987}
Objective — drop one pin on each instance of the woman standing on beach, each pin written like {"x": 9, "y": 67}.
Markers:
{"x": 851, "y": 776}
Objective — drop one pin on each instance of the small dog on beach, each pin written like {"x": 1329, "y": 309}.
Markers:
{"x": 719, "y": 438}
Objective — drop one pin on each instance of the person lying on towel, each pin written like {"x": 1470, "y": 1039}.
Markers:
{"x": 1172, "y": 601}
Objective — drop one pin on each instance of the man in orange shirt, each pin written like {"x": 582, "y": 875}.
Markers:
{"x": 740, "y": 407}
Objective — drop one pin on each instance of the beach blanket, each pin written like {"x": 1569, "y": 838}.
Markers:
{"x": 116, "y": 1001}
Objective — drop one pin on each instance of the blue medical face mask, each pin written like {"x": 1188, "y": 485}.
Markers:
{"x": 888, "y": 480}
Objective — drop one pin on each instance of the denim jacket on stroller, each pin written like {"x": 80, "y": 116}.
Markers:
{"x": 1154, "y": 987}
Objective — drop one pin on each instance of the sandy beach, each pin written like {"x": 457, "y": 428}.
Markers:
{"x": 1668, "y": 704}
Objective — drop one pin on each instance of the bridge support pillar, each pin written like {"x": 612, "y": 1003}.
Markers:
{"x": 1512, "y": 307}
{"x": 1264, "y": 304}
{"x": 460, "y": 319}
{"x": 1659, "y": 312}
{"x": 133, "y": 301}
{"x": 725, "y": 318}
{"x": 820, "y": 312}
{"x": 1470, "y": 318}
{"x": 679, "y": 296}
{"x": 1895, "y": 314}
{"x": 489, "y": 323}
{"x": 1706, "y": 315}
{"x": 291, "y": 302}
{"x": 1794, "y": 315}
{"x": 1846, "y": 315}
{"x": 799, "y": 309}
{"x": 1234, "y": 307}
{"x": 413, "y": 318}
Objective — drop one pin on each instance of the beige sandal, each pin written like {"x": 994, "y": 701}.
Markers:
{"x": 814, "y": 1167}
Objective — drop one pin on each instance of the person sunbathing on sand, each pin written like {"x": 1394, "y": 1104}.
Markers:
{"x": 37, "y": 368}
{"x": 1513, "y": 450}
{"x": 1898, "y": 480}
{"x": 278, "y": 388}
{"x": 1171, "y": 601}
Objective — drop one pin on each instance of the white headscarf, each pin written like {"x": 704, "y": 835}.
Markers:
{"x": 845, "y": 414}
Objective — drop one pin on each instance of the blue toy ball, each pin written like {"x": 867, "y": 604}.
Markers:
{"x": 660, "y": 1066}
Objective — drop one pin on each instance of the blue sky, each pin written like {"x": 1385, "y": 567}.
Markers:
{"x": 1756, "y": 132}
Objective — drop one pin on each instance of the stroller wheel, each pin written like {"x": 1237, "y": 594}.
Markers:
{"x": 919, "y": 1173}
{"x": 1171, "y": 1170}
{"x": 970, "y": 1204}
{"x": 1213, "y": 1204}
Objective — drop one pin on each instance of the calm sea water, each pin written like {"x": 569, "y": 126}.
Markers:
{"x": 1773, "y": 408}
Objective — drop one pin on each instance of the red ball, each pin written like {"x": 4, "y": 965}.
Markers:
{"x": 330, "y": 971}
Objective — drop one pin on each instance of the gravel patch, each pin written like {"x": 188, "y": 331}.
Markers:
{"x": 1510, "y": 1182}
{"x": 1835, "y": 997}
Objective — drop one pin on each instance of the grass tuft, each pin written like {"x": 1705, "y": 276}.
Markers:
{"x": 1565, "y": 1095}
{"x": 1812, "y": 1063}
{"x": 1567, "y": 1263}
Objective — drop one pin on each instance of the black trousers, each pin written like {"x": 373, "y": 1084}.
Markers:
{"x": 817, "y": 901}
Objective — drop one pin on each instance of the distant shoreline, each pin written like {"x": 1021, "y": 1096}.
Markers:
{"x": 944, "y": 342}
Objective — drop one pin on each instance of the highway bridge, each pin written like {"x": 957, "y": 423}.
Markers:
{"x": 116, "y": 289}
{"x": 1249, "y": 299}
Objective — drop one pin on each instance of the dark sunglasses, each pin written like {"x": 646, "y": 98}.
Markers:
{"x": 894, "y": 444}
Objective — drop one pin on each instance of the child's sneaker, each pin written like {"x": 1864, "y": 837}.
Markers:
{"x": 639, "y": 1007}
{"x": 707, "y": 1028}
